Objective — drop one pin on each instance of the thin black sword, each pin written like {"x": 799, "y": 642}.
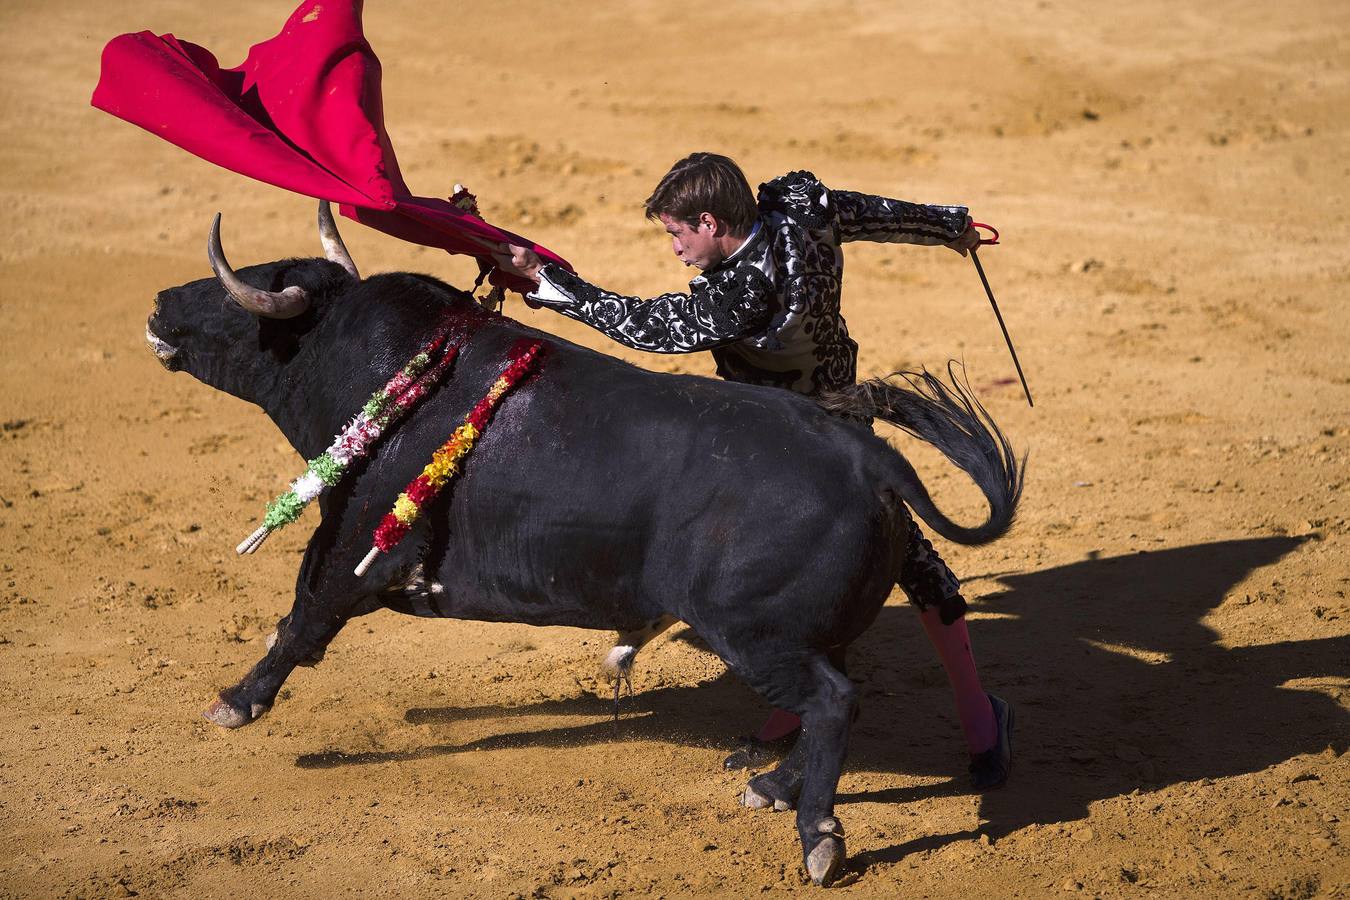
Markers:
{"x": 994, "y": 303}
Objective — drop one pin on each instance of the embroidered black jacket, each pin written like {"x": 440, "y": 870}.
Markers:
{"x": 770, "y": 312}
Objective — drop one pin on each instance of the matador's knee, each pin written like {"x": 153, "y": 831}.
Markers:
{"x": 925, "y": 578}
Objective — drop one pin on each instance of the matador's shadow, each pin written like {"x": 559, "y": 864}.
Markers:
{"x": 1117, "y": 682}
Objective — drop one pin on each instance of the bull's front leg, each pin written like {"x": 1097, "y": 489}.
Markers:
{"x": 307, "y": 663}
{"x": 300, "y": 637}
{"x": 325, "y": 598}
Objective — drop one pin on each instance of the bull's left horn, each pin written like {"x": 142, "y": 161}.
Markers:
{"x": 284, "y": 304}
{"x": 333, "y": 247}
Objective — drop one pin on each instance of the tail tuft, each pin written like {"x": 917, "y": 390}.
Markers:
{"x": 957, "y": 424}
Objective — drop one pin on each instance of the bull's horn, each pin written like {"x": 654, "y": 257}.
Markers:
{"x": 284, "y": 304}
{"x": 333, "y": 248}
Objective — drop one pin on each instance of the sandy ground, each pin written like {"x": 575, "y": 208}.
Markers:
{"x": 1169, "y": 618}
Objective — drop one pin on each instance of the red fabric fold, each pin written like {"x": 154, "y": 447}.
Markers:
{"x": 303, "y": 112}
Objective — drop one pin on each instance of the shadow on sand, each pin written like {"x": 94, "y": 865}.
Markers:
{"x": 1117, "y": 681}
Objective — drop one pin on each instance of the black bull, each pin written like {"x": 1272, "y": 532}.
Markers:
{"x": 601, "y": 496}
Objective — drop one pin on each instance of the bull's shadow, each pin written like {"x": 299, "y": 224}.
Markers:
{"x": 1117, "y": 682}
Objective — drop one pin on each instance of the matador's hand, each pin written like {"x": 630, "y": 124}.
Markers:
{"x": 969, "y": 239}
{"x": 516, "y": 260}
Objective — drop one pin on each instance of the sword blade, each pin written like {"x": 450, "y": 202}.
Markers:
{"x": 974, "y": 257}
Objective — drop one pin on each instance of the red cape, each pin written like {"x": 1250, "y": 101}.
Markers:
{"x": 304, "y": 112}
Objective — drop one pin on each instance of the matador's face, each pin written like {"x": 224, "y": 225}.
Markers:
{"x": 696, "y": 245}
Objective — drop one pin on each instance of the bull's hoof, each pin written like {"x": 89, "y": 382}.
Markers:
{"x": 826, "y": 859}
{"x": 768, "y": 790}
{"x": 752, "y": 799}
{"x": 226, "y": 716}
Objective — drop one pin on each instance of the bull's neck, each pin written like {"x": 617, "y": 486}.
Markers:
{"x": 350, "y": 355}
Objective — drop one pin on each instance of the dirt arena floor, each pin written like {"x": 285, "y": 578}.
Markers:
{"x": 1169, "y": 617}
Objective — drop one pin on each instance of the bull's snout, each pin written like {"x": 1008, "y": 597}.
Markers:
{"x": 163, "y": 350}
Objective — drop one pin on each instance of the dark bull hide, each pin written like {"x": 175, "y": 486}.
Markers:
{"x": 602, "y": 495}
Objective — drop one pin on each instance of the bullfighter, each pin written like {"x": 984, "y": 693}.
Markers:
{"x": 766, "y": 303}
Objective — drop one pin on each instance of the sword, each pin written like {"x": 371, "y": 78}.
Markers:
{"x": 974, "y": 257}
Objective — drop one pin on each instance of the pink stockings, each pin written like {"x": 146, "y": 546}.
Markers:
{"x": 779, "y": 724}
{"x": 952, "y": 643}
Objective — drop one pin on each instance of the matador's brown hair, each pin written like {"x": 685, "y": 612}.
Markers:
{"x": 705, "y": 182}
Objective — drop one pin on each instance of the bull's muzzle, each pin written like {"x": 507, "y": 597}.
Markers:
{"x": 163, "y": 350}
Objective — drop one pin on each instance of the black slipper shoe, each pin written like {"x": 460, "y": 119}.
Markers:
{"x": 990, "y": 769}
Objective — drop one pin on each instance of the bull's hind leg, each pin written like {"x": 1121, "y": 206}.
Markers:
{"x": 781, "y": 787}
{"x": 825, "y": 699}
{"x": 825, "y": 726}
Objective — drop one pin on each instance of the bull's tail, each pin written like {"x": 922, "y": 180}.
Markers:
{"x": 953, "y": 421}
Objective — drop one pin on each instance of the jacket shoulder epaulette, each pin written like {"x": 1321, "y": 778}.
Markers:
{"x": 801, "y": 197}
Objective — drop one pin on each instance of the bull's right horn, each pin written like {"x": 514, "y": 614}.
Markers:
{"x": 285, "y": 304}
{"x": 333, "y": 248}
